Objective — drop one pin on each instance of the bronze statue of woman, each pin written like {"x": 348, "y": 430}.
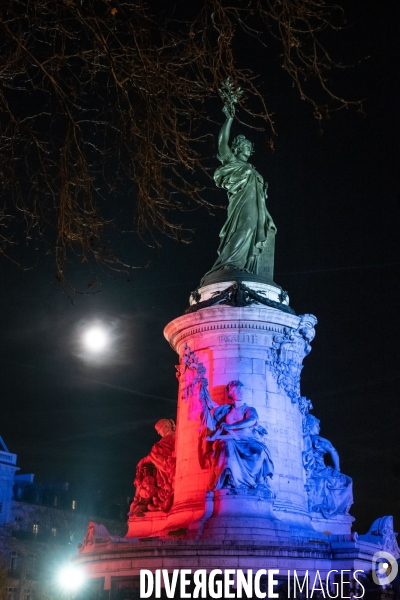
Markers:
{"x": 244, "y": 234}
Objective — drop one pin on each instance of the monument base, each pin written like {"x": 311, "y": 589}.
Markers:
{"x": 146, "y": 526}
{"x": 339, "y": 524}
{"x": 243, "y": 515}
{"x": 237, "y": 503}
{"x": 112, "y": 564}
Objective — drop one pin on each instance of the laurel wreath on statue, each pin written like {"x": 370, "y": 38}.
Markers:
{"x": 230, "y": 95}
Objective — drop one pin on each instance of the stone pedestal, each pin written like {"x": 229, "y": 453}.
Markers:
{"x": 263, "y": 348}
{"x": 112, "y": 562}
{"x": 245, "y": 516}
{"x": 256, "y": 504}
{"x": 250, "y": 335}
{"x": 339, "y": 524}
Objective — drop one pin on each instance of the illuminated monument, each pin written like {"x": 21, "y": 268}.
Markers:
{"x": 243, "y": 481}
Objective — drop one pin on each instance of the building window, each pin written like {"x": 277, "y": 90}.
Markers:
{"x": 126, "y": 588}
{"x": 35, "y": 528}
{"x": 15, "y": 562}
{"x": 73, "y": 504}
{"x": 54, "y": 531}
{"x": 29, "y": 594}
{"x": 11, "y": 593}
{"x": 31, "y": 566}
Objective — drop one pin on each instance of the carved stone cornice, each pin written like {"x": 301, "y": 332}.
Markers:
{"x": 222, "y": 317}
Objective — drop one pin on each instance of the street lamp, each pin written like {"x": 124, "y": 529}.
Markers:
{"x": 70, "y": 579}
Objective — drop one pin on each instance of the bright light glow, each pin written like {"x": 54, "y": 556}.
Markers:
{"x": 71, "y": 578}
{"x": 95, "y": 339}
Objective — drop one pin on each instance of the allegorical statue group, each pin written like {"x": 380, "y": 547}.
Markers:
{"x": 237, "y": 456}
{"x": 232, "y": 442}
{"x": 235, "y": 450}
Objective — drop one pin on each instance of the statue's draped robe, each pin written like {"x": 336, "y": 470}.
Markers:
{"x": 331, "y": 492}
{"x": 160, "y": 456}
{"x": 158, "y": 466}
{"x": 242, "y": 461}
{"x": 244, "y": 233}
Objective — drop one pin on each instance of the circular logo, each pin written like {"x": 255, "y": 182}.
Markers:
{"x": 384, "y": 568}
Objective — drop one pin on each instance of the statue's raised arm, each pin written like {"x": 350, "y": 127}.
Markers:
{"x": 224, "y": 151}
{"x": 230, "y": 96}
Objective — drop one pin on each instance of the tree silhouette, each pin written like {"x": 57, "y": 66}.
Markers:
{"x": 104, "y": 96}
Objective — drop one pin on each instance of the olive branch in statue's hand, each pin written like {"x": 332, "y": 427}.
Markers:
{"x": 230, "y": 96}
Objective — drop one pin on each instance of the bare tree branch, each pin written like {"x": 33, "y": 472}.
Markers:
{"x": 102, "y": 95}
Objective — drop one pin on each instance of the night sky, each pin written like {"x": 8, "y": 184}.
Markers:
{"x": 334, "y": 194}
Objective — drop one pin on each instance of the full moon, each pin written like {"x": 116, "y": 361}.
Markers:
{"x": 95, "y": 339}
